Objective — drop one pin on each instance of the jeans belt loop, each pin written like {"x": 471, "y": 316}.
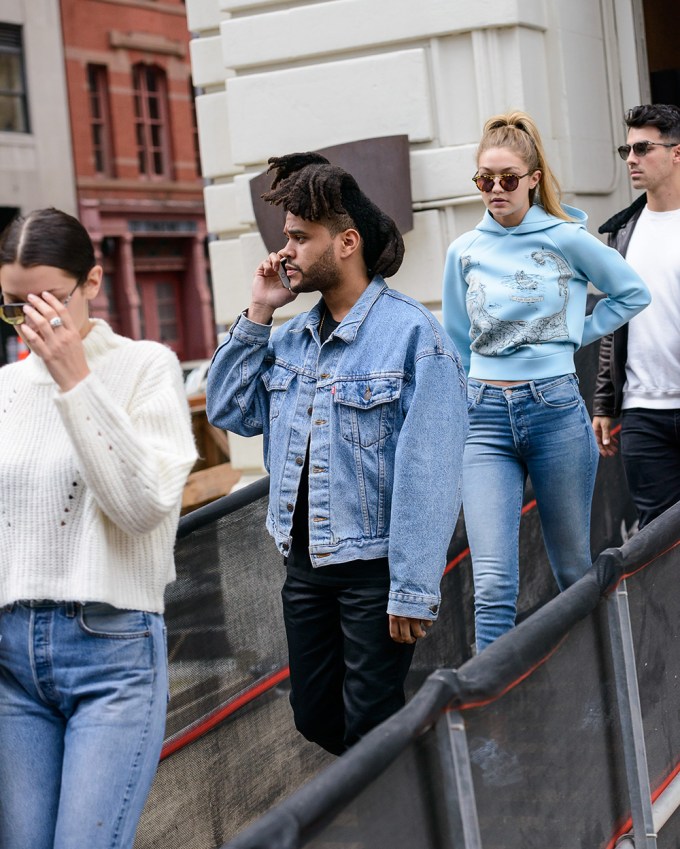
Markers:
{"x": 534, "y": 392}
{"x": 480, "y": 392}
{"x": 71, "y": 609}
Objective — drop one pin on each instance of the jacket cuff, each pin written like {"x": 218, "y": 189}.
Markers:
{"x": 605, "y": 411}
{"x": 249, "y": 331}
{"x": 413, "y": 606}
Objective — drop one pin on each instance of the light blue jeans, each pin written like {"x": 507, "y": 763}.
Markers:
{"x": 83, "y": 695}
{"x": 540, "y": 429}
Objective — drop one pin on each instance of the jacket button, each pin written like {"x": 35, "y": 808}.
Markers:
{"x": 324, "y": 376}
{"x": 299, "y": 461}
{"x": 434, "y": 608}
{"x": 310, "y": 410}
{"x": 290, "y": 507}
{"x": 285, "y": 546}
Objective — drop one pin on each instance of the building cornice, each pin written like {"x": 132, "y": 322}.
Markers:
{"x": 164, "y": 8}
{"x": 146, "y": 43}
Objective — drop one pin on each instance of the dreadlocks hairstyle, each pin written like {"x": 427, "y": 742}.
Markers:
{"x": 518, "y": 132}
{"x": 307, "y": 185}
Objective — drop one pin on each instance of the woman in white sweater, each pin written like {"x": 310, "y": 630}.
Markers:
{"x": 96, "y": 447}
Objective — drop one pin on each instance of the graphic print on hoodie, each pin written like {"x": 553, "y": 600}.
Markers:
{"x": 491, "y": 334}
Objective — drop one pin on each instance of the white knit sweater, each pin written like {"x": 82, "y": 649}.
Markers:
{"x": 91, "y": 479}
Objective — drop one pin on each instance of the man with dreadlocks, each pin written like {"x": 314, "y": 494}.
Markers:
{"x": 362, "y": 405}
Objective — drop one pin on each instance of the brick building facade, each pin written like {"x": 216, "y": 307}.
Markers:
{"x": 137, "y": 171}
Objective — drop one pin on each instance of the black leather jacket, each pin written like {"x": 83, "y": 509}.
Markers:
{"x": 611, "y": 372}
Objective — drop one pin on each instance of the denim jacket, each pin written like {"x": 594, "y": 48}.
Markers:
{"x": 382, "y": 404}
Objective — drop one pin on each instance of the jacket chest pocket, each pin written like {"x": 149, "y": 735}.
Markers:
{"x": 367, "y": 408}
{"x": 277, "y": 380}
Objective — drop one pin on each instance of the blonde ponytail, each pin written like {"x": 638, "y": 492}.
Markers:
{"x": 518, "y": 132}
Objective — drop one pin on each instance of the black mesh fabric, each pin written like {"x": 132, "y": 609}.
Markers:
{"x": 225, "y": 640}
{"x": 231, "y": 750}
{"x": 541, "y": 718}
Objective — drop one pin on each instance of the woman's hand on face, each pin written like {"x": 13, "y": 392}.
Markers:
{"x": 60, "y": 347}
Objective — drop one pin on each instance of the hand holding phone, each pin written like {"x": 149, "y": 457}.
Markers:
{"x": 283, "y": 277}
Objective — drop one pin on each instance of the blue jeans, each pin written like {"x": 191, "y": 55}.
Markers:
{"x": 540, "y": 429}
{"x": 83, "y": 695}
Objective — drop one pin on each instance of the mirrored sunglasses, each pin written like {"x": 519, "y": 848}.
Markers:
{"x": 509, "y": 182}
{"x": 14, "y": 313}
{"x": 641, "y": 148}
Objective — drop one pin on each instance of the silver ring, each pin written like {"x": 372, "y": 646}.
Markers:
{"x": 56, "y": 321}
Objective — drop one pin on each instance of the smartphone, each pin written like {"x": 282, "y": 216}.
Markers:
{"x": 282, "y": 274}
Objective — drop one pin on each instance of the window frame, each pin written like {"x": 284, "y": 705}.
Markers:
{"x": 99, "y": 75}
{"x": 145, "y": 122}
{"x": 14, "y": 33}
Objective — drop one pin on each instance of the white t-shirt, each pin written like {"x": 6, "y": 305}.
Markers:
{"x": 653, "y": 364}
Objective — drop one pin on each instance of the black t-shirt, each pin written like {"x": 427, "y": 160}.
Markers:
{"x": 298, "y": 562}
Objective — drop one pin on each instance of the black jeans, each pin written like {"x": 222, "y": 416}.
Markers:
{"x": 347, "y": 674}
{"x": 650, "y": 448}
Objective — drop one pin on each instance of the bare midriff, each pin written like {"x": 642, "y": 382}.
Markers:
{"x": 502, "y": 382}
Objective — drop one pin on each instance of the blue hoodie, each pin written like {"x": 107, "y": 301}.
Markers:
{"x": 514, "y": 297}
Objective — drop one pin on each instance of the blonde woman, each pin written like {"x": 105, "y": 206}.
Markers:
{"x": 514, "y": 303}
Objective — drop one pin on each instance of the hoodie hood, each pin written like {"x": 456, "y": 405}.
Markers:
{"x": 535, "y": 220}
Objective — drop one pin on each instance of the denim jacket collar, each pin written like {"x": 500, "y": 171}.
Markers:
{"x": 349, "y": 326}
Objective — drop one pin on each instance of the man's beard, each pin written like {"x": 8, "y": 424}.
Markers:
{"x": 322, "y": 275}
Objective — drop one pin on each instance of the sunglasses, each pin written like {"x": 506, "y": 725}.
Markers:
{"x": 14, "y": 313}
{"x": 641, "y": 148}
{"x": 509, "y": 182}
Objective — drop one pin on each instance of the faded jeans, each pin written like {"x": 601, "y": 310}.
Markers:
{"x": 539, "y": 429}
{"x": 83, "y": 695}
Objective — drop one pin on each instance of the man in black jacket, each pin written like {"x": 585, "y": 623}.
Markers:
{"x": 639, "y": 368}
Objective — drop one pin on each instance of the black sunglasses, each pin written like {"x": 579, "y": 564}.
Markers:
{"x": 641, "y": 148}
{"x": 14, "y": 313}
{"x": 509, "y": 182}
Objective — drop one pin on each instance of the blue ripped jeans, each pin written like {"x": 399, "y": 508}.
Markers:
{"x": 83, "y": 695}
{"x": 539, "y": 429}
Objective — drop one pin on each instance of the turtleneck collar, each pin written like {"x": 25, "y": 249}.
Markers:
{"x": 98, "y": 342}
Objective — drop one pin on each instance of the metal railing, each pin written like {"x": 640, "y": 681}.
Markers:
{"x": 576, "y": 658}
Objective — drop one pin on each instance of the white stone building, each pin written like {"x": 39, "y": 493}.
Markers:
{"x": 36, "y": 162}
{"x": 280, "y": 76}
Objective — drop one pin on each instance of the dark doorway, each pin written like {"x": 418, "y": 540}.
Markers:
{"x": 160, "y": 319}
{"x": 662, "y": 24}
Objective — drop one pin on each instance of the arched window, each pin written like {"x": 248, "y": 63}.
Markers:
{"x": 151, "y": 121}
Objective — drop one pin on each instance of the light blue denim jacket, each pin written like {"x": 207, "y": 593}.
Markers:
{"x": 383, "y": 405}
